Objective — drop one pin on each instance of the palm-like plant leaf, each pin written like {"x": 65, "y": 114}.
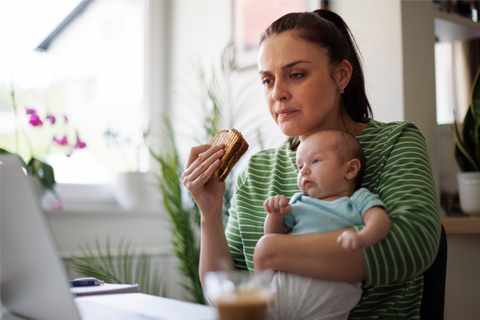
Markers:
{"x": 467, "y": 145}
{"x": 101, "y": 265}
{"x": 184, "y": 238}
{"x": 475, "y": 109}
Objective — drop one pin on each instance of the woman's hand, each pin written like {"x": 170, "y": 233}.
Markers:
{"x": 198, "y": 178}
{"x": 208, "y": 194}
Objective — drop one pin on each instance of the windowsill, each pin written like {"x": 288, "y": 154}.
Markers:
{"x": 86, "y": 195}
{"x": 102, "y": 209}
{"x": 97, "y": 199}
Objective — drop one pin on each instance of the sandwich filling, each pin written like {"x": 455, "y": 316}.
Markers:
{"x": 228, "y": 164}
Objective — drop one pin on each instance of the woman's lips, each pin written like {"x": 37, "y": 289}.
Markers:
{"x": 285, "y": 113}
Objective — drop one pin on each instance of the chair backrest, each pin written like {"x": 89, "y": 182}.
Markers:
{"x": 433, "y": 301}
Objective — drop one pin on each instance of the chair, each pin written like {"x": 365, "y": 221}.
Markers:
{"x": 433, "y": 302}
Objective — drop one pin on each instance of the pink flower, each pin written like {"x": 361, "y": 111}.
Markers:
{"x": 65, "y": 118}
{"x": 35, "y": 120}
{"x": 51, "y": 117}
{"x": 80, "y": 144}
{"x": 62, "y": 142}
{"x": 58, "y": 205}
{"x": 31, "y": 111}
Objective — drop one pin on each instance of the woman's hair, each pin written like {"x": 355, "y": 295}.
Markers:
{"x": 329, "y": 31}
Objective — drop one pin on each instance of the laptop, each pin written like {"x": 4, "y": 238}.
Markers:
{"x": 33, "y": 280}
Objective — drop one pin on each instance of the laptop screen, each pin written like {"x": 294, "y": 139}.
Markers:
{"x": 33, "y": 280}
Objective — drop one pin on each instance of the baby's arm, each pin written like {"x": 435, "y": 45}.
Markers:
{"x": 377, "y": 226}
{"x": 276, "y": 207}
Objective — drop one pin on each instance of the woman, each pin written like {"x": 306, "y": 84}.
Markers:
{"x": 313, "y": 81}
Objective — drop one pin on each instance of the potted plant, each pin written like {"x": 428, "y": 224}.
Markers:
{"x": 467, "y": 153}
{"x": 133, "y": 189}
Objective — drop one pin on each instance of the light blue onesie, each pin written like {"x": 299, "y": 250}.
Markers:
{"x": 299, "y": 297}
{"x": 310, "y": 215}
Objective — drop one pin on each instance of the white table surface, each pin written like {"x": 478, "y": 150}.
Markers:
{"x": 140, "y": 306}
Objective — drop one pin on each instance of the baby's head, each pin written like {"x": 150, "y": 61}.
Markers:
{"x": 330, "y": 163}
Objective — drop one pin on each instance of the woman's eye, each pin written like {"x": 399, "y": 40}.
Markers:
{"x": 266, "y": 82}
{"x": 296, "y": 75}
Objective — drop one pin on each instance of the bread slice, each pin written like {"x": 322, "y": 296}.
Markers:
{"x": 235, "y": 148}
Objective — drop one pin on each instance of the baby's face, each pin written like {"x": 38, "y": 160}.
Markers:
{"x": 321, "y": 171}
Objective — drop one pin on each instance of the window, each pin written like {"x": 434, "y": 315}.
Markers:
{"x": 84, "y": 60}
{"x": 456, "y": 64}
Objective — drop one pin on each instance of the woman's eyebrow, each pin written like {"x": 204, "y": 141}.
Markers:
{"x": 291, "y": 64}
{"x": 287, "y": 66}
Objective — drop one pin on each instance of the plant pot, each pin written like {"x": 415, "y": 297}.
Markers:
{"x": 137, "y": 191}
{"x": 469, "y": 192}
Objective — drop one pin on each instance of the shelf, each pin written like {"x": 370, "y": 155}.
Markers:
{"x": 451, "y": 27}
{"x": 461, "y": 225}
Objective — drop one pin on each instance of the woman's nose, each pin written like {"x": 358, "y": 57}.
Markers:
{"x": 280, "y": 92}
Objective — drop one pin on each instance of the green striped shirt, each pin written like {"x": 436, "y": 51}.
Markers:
{"x": 398, "y": 170}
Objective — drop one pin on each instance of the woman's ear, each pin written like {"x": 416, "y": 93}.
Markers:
{"x": 353, "y": 168}
{"x": 343, "y": 74}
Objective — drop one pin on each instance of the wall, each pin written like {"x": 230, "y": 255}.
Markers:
{"x": 381, "y": 50}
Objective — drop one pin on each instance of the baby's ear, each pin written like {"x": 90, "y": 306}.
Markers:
{"x": 353, "y": 168}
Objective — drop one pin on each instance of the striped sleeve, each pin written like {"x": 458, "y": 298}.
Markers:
{"x": 404, "y": 182}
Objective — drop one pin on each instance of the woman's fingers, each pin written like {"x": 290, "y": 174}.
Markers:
{"x": 203, "y": 165}
{"x": 195, "y": 152}
{"x": 198, "y": 155}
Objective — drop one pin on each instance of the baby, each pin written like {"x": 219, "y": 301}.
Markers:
{"x": 330, "y": 166}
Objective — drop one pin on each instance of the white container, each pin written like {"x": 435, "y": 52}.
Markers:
{"x": 469, "y": 192}
{"x": 137, "y": 191}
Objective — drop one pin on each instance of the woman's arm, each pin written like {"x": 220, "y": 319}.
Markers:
{"x": 316, "y": 255}
{"x": 406, "y": 186}
{"x": 208, "y": 195}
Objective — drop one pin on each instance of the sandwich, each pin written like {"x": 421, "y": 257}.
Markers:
{"x": 235, "y": 147}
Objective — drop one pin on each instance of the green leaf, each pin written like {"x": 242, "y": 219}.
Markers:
{"x": 475, "y": 109}
{"x": 467, "y": 146}
{"x": 464, "y": 160}
{"x": 101, "y": 265}
{"x": 475, "y": 97}
{"x": 44, "y": 172}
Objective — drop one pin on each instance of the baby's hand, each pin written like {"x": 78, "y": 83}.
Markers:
{"x": 350, "y": 240}
{"x": 277, "y": 205}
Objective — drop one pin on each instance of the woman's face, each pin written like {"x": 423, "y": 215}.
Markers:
{"x": 302, "y": 95}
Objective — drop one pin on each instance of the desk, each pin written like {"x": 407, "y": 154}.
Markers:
{"x": 136, "y": 306}
{"x": 461, "y": 225}
{"x": 463, "y": 278}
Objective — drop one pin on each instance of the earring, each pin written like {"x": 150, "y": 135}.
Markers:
{"x": 341, "y": 90}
